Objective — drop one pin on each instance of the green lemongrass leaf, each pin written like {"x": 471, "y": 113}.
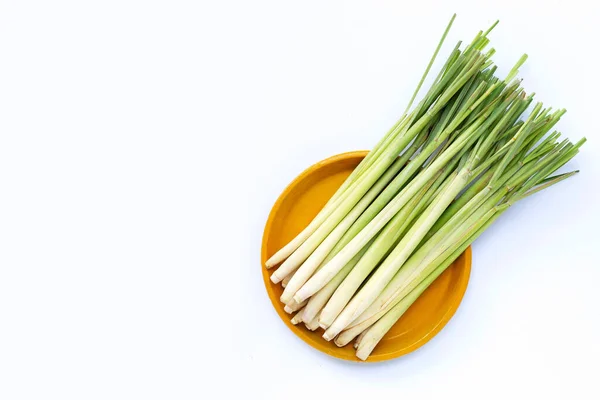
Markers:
{"x": 550, "y": 164}
{"x": 515, "y": 70}
{"x": 472, "y": 67}
{"x": 431, "y": 61}
{"x": 546, "y": 183}
{"x": 454, "y": 55}
{"x": 487, "y": 32}
{"x": 473, "y": 43}
{"x": 526, "y": 176}
{"x": 516, "y": 141}
{"x": 454, "y": 72}
{"x": 547, "y": 143}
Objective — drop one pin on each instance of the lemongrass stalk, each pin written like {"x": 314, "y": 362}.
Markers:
{"x": 366, "y": 162}
{"x": 310, "y": 265}
{"x": 296, "y": 319}
{"x": 371, "y": 157}
{"x": 459, "y": 203}
{"x": 373, "y": 334}
{"x": 491, "y": 95}
{"x": 384, "y": 242}
{"x": 347, "y": 335}
{"x": 285, "y": 280}
{"x": 312, "y": 324}
{"x": 293, "y": 306}
{"x": 358, "y": 339}
{"x": 306, "y": 270}
{"x": 387, "y": 238}
{"x": 318, "y": 300}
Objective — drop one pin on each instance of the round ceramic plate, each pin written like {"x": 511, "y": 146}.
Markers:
{"x": 292, "y": 212}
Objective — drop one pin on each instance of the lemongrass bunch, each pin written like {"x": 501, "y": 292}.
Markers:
{"x": 448, "y": 168}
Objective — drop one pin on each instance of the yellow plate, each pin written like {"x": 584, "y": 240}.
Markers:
{"x": 292, "y": 212}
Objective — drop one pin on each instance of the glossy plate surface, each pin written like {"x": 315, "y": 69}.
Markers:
{"x": 297, "y": 206}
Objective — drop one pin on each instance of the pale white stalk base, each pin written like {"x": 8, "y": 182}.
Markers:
{"x": 318, "y": 300}
{"x": 296, "y": 319}
{"x": 327, "y": 336}
{"x": 365, "y": 350}
{"x": 289, "y": 248}
{"x": 285, "y": 280}
{"x": 359, "y": 338}
{"x": 323, "y": 325}
{"x": 293, "y": 306}
{"x": 313, "y": 324}
{"x": 306, "y": 270}
{"x": 348, "y": 335}
{"x": 373, "y": 335}
{"x": 313, "y": 262}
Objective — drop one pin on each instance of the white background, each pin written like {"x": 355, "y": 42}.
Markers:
{"x": 142, "y": 144}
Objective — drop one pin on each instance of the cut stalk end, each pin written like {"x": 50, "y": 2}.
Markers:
{"x": 275, "y": 279}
